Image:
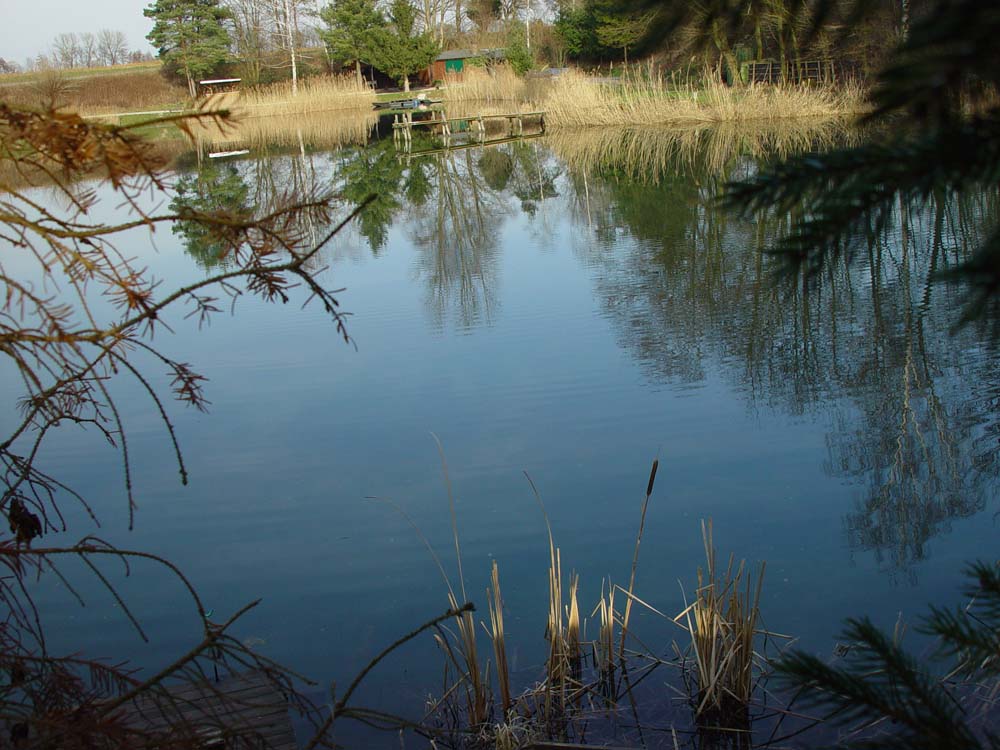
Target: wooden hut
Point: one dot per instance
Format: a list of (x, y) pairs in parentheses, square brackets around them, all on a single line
[(452, 63)]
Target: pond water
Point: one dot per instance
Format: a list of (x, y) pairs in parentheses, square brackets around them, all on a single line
[(570, 308)]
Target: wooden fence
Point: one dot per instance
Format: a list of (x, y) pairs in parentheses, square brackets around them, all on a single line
[(799, 71)]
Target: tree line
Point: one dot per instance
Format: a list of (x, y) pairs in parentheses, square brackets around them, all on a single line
[(270, 39), (87, 49)]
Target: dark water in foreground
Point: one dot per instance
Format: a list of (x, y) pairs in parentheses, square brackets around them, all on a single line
[(570, 307)]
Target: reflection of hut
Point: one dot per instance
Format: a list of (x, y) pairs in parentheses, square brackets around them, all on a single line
[(453, 62)]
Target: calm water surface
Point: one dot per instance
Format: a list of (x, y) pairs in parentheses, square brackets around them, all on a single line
[(571, 307)]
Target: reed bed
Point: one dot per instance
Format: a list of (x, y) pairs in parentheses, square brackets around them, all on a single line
[(498, 84), (576, 692), (723, 624), (317, 93), (575, 101)]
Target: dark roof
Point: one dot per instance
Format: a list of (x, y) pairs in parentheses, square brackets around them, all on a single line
[(456, 54), (465, 54)]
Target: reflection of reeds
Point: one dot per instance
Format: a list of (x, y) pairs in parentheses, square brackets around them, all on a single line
[(722, 622), (649, 154), (314, 129)]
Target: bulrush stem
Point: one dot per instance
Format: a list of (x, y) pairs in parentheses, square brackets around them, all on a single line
[(635, 558)]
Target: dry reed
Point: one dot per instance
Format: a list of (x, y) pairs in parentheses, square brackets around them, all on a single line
[(722, 622), (499, 84), (498, 639), (635, 557), (575, 100), (318, 93)]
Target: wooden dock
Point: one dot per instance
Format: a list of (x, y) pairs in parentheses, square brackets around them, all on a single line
[(512, 125), (237, 713)]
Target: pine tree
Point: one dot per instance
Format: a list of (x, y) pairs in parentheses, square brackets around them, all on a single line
[(400, 51), (350, 32), (880, 680), (190, 35)]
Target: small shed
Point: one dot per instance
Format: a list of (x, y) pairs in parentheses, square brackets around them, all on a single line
[(453, 62), (450, 62), (219, 85)]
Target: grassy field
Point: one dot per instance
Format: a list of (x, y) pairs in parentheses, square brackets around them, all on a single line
[(93, 91)]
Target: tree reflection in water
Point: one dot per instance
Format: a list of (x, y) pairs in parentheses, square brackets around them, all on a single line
[(869, 345), (918, 424), (455, 203)]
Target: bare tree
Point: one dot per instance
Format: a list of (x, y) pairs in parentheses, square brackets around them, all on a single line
[(112, 46), (66, 50), (285, 15), (250, 33), (88, 49)]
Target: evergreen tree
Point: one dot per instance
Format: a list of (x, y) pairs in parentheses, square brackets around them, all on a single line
[(880, 680), (577, 28), (400, 51), (351, 27), (190, 36), (941, 81)]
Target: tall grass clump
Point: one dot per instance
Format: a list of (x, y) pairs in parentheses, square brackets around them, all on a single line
[(578, 689), (492, 85), (314, 94), (722, 622), (498, 639), (577, 101)]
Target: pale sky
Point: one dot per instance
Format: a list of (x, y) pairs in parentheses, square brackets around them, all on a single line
[(27, 27)]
